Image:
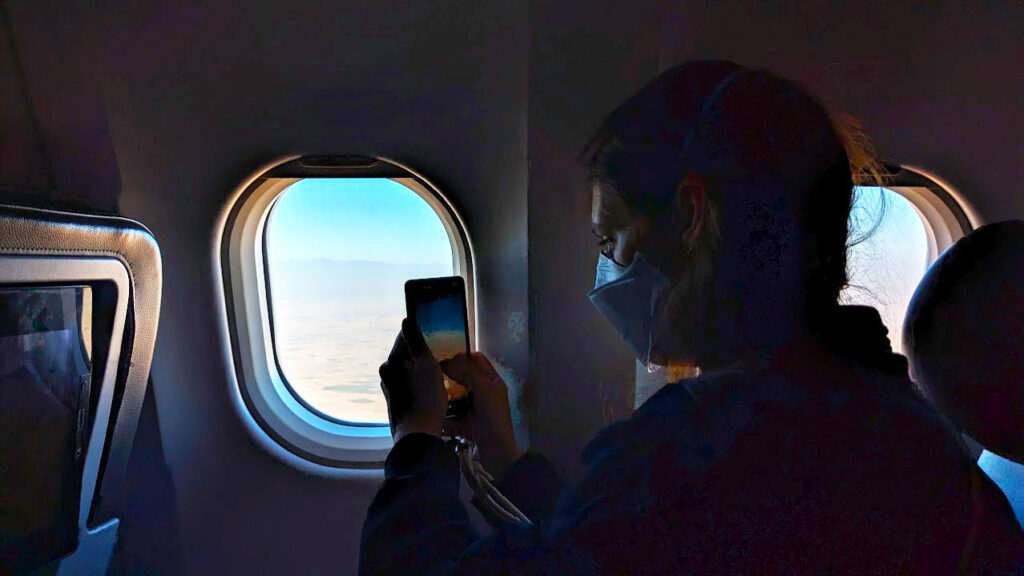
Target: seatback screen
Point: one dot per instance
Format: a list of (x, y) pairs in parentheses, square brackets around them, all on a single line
[(45, 380)]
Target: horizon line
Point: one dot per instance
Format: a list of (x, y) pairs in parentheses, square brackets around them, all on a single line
[(322, 259)]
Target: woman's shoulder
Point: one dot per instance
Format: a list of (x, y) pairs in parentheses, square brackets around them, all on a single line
[(709, 411), (680, 415), (719, 396), (718, 406)]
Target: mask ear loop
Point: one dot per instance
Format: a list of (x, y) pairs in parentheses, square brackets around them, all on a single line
[(650, 366), (655, 299)]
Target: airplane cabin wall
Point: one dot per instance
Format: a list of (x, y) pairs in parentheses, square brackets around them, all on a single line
[(937, 85), (22, 158), (163, 110), (55, 148)]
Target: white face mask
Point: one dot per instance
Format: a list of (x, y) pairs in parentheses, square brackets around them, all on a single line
[(629, 298)]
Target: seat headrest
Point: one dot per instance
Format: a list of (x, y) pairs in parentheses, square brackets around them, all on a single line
[(964, 333)]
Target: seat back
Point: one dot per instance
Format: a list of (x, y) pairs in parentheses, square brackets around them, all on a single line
[(964, 334), (85, 288)]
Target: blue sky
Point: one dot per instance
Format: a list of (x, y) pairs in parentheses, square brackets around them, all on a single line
[(900, 237), (898, 214), (373, 219), (886, 268)]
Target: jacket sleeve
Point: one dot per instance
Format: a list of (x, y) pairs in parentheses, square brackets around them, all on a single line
[(416, 523), (532, 484)]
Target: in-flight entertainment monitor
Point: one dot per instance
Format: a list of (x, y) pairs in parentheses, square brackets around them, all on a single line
[(45, 378), (54, 399)]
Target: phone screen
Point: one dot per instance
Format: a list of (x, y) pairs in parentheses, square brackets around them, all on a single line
[(438, 305)]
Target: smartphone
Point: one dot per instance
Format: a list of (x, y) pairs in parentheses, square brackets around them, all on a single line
[(438, 307)]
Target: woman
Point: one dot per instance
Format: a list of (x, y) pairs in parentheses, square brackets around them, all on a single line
[(721, 197)]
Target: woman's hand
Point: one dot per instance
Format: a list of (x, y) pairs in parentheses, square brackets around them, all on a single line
[(489, 420), (413, 385)]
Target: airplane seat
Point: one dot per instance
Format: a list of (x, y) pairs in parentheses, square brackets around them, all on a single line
[(79, 310), (964, 333)]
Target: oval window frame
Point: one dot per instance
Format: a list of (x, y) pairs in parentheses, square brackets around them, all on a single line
[(275, 415), (946, 214)]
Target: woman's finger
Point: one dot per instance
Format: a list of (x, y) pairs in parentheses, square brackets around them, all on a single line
[(399, 352), (414, 339), (460, 369)]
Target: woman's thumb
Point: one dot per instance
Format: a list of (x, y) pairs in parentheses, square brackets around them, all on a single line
[(459, 368)]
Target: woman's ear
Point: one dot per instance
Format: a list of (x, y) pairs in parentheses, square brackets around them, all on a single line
[(691, 203)]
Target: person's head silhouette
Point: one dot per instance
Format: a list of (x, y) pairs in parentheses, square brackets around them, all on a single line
[(722, 195)]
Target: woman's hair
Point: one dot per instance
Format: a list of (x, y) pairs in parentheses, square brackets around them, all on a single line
[(770, 154)]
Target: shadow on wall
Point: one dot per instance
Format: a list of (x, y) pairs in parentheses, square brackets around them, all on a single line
[(54, 152), (148, 539)]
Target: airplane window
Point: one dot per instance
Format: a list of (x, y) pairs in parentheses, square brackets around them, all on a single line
[(315, 252), (338, 252), (889, 256)]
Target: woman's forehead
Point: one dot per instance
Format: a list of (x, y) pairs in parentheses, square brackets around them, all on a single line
[(606, 209)]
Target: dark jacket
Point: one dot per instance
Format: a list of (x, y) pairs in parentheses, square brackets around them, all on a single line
[(812, 464)]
